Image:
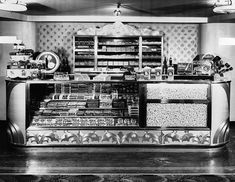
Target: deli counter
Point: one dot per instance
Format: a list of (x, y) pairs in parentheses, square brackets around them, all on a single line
[(118, 113)]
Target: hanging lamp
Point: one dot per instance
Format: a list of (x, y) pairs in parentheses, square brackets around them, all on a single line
[(117, 11)]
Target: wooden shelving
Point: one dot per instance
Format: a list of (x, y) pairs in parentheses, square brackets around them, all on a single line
[(94, 53)]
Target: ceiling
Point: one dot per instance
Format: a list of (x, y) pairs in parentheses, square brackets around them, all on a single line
[(166, 8), (181, 11)]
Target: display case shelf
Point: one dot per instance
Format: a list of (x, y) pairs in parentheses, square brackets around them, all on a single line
[(151, 43), (152, 57), (79, 116), (84, 51), (84, 127), (119, 45), (107, 108), (163, 101), (83, 58), (80, 50), (117, 52), (118, 58)]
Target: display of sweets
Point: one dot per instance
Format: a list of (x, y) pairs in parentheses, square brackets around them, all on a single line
[(106, 103), (87, 105), (93, 103), (83, 121)]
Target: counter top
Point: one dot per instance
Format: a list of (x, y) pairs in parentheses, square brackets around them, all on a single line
[(120, 81)]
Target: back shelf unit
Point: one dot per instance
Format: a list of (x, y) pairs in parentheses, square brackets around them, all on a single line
[(117, 52), (151, 48), (114, 52), (84, 52)]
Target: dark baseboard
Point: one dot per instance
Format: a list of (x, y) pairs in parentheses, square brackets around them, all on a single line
[(232, 123), (4, 141)]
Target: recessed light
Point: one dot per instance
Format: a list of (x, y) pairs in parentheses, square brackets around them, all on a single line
[(117, 11)]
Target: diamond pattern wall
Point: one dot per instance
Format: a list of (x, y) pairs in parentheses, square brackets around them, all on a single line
[(52, 36), (180, 40)]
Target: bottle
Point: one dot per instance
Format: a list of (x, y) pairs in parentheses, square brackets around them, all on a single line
[(67, 67), (158, 75), (170, 70), (164, 68), (153, 73)]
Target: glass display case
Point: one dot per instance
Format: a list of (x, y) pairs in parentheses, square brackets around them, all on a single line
[(154, 113), (70, 105)]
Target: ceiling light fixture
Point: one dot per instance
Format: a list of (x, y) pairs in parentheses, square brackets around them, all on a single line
[(12, 5), (229, 7), (117, 11)]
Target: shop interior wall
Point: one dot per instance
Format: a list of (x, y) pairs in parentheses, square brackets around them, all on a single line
[(180, 40), (25, 31), (211, 34)]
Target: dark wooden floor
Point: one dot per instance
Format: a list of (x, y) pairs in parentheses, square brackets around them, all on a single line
[(117, 160)]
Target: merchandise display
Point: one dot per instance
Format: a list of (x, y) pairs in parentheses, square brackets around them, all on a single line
[(177, 91), (121, 91), (97, 53), (176, 115), (92, 112), (177, 105), (185, 69), (93, 104), (22, 64), (209, 64), (84, 53), (152, 51), (118, 52)]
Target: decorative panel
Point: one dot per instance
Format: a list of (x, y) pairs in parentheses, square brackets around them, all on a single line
[(116, 137), (180, 40), (177, 91), (176, 115), (185, 137)]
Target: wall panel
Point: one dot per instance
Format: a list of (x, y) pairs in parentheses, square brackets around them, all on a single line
[(180, 40)]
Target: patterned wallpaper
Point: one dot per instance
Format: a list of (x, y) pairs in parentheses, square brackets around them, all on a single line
[(180, 40)]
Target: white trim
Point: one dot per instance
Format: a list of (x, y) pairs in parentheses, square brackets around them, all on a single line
[(134, 19), (226, 41), (9, 40), (13, 15), (119, 18)]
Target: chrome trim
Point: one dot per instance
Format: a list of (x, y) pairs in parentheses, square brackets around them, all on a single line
[(16, 134), (219, 136)]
